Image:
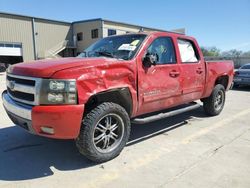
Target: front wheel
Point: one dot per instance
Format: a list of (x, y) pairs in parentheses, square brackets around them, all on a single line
[(214, 104), (104, 133)]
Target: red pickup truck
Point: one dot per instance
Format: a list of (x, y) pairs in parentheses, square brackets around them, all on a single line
[(92, 98)]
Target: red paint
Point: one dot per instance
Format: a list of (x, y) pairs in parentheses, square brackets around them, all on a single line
[(152, 89), (65, 120)]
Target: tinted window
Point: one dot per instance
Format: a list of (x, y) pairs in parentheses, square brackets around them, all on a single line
[(187, 51), (111, 32), (164, 49)]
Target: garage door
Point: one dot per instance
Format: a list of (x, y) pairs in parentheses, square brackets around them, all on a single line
[(10, 53), (10, 49)]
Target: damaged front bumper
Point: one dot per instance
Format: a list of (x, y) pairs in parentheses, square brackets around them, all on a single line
[(62, 121)]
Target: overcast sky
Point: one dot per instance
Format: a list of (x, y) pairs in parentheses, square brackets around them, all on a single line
[(221, 23)]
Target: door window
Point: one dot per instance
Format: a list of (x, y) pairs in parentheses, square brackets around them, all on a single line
[(164, 49), (187, 51)]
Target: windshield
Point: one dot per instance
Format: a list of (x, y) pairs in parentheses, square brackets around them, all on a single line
[(120, 47)]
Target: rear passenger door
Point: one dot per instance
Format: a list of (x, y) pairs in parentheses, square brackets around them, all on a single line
[(192, 70)]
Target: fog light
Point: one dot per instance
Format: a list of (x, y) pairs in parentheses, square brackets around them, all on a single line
[(48, 130)]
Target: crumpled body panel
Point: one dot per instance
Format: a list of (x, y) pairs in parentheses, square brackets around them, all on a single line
[(95, 79)]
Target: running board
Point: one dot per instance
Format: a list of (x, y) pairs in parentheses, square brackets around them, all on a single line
[(162, 115)]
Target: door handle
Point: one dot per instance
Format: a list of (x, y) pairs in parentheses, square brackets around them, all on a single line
[(199, 71), (174, 73)]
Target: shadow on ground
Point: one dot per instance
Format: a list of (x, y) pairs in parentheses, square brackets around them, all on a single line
[(241, 88), (24, 156)]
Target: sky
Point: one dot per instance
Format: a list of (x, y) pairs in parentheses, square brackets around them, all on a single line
[(224, 24)]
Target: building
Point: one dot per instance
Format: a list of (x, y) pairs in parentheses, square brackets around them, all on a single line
[(26, 38)]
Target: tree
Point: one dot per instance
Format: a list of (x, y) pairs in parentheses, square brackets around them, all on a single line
[(232, 53), (210, 51), (246, 54)]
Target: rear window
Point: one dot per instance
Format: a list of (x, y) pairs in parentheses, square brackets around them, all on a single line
[(187, 51)]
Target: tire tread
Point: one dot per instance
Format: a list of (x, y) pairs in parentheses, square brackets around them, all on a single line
[(83, 142), (208, 103)]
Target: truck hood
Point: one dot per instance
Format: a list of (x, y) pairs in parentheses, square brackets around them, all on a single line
[(46, 68)]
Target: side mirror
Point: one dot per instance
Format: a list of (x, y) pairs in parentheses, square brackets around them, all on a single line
[(149, 60)]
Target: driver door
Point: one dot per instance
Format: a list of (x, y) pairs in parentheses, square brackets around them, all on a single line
[(159, 85)]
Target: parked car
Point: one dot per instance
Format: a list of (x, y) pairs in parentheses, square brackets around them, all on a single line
[(242, 76), (94, 97)]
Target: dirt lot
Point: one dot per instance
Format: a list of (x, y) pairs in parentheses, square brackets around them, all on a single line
[(188, 150)]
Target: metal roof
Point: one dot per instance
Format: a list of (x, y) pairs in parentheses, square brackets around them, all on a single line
[(116, 22), (88, 20), (31, 17)]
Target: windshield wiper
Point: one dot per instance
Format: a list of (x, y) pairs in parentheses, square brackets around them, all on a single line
[(104, 53)]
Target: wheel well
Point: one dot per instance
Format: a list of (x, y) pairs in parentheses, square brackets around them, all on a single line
[(121, 96), (223, 80)]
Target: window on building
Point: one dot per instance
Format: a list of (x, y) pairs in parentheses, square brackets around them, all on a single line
[(111, 32), (9, 45), (187, 51), (79, 36), (94, 33), (17, 45), (164, 48)]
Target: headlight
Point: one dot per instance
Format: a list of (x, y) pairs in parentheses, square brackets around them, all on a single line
[(56, 85), (55, 98), (58, 92)]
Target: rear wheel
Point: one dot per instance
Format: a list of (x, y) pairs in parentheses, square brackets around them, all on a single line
[(104, 133), (214, 104)]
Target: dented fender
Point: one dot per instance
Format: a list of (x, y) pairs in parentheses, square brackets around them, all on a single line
[(97, 79)]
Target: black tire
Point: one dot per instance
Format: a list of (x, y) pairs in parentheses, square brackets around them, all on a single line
[(87, 143), (213, 105)]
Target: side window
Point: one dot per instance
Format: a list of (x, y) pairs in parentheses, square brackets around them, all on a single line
[(111, 32), (187, 51), (79, 36), (94, 33), (164, 49)]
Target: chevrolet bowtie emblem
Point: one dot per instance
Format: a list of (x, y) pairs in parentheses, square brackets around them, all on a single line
[(12, 85)]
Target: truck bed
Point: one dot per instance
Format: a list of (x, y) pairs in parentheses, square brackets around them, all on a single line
[(215, 69)]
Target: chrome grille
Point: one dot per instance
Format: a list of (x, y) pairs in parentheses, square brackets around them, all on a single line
[(23, 89)]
